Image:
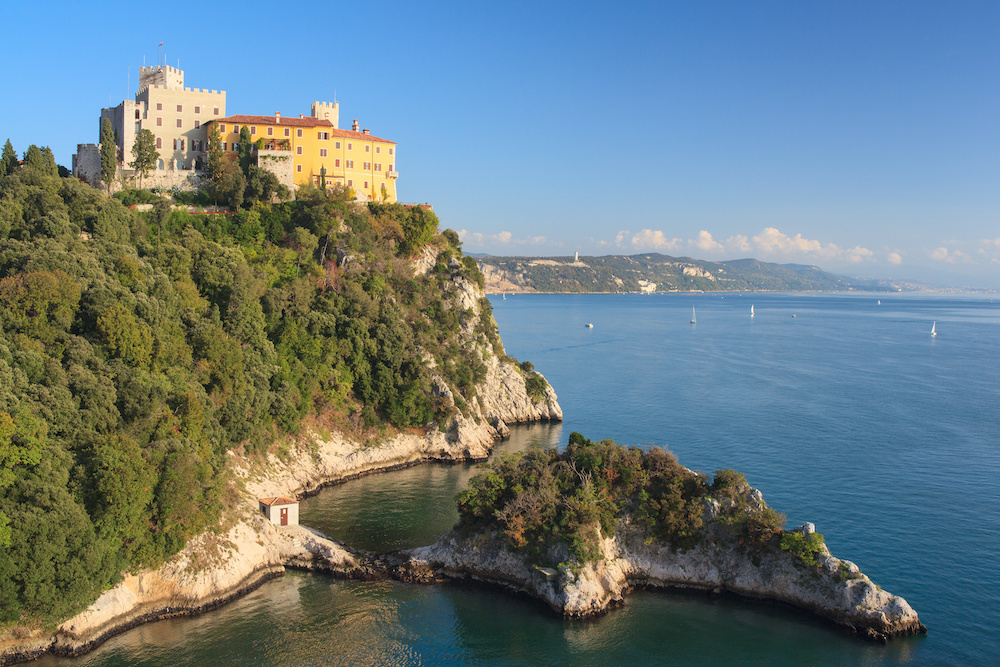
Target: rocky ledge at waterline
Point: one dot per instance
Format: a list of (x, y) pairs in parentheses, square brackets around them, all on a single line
[(834, 589), (579, 528)]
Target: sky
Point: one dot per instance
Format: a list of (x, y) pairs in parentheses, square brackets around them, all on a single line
[(862, 137)]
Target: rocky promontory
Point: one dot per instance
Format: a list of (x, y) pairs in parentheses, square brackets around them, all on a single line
[(833, 589), (578, 529)]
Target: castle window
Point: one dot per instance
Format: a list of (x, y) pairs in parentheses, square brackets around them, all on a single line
[(368, 165), (197, 124), (378, 167), (366, 185), (322, 152), (159, 142), (175, 144), (159, 122), (298, 168), (182, 144), (223, 145), (286, 132), (180, 123), (350, 182), (368, 149), (298, 132), (298, 150), (236, 129), (159, 106), (270, 131), (390, 151), (137, 114), (222, 127), (236, 146), (350, 146), (378, 149), (336, 144), (197, 109), (159, 164), (215, 111), (350, 164), (390, 167), (253, 129), (336, 163), (180, 108)]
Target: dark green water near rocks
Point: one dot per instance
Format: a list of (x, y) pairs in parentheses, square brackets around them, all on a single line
[(849, 415)]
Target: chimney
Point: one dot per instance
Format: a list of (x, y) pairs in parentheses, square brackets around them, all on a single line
[(366, 131), (355, 126), (302, 115), (277, 116)]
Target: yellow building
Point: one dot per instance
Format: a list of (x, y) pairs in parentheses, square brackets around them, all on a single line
[(354, 158)]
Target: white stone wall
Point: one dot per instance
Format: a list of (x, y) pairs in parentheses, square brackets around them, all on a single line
[(87, 163), (279, 163)]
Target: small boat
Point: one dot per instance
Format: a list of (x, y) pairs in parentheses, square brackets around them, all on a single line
[(751, 310), (934, 329), (589, 325), (694, 320), (880, 302), (794, 315)]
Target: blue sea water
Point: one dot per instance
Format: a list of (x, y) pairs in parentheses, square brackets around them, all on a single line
[(849, 415)]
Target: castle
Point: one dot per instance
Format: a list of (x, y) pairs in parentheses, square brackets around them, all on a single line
[(303, 150)]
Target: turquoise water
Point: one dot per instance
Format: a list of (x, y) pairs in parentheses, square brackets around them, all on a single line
[(849, 415)]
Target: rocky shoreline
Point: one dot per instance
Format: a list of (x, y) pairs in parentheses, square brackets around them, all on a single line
[(833, 589)]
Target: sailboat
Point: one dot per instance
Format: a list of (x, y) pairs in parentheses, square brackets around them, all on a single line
[(934, 329), (751, 310), (694, 320)]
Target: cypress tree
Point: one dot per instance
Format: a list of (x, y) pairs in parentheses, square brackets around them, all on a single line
[(8, 161), (109, 154)]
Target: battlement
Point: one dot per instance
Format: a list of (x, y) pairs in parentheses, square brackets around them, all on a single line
[(326, 111), (161, 75)]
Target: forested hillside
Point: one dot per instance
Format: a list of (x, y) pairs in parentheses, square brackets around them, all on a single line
[(661, 273), (136, 349)]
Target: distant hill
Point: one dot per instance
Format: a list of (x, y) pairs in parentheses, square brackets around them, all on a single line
[(661, 273)]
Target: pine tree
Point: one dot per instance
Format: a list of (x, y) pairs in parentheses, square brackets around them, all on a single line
[(109, 154), (144, 154)]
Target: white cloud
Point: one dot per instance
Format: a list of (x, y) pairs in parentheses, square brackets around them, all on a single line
[(478, 239), (648, 238), (858, 254), (894, 258), (941, 254), (620, 238), (707, 243), (739, 243)]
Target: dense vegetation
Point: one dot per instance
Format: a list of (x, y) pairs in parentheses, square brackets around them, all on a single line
[(619, 273), (554, 506), (136, 350)]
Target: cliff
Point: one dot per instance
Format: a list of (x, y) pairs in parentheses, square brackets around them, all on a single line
[(833, 589)]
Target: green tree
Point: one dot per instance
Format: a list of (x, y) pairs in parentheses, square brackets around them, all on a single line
[(109, 154), (246, 150), (144, 154), (216, 161), (34, 159), (8, 161), (126, 337)]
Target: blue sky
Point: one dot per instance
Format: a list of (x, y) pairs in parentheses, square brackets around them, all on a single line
[(863, 137)]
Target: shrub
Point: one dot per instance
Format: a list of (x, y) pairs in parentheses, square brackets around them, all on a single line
[(803, 547)]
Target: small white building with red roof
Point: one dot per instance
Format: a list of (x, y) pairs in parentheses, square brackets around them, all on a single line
[(280, 510)]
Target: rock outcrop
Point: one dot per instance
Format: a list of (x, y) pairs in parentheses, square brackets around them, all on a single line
[(833, 589)]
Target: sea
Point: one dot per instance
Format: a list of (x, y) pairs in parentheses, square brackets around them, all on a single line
[(842, 409)]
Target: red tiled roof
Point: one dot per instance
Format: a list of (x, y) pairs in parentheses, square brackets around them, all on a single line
[(292, 121), (308, 121), (279, 500)]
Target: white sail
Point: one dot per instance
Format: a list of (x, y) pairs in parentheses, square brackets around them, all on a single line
[(694, 320), (751, 310), (934, 329)]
